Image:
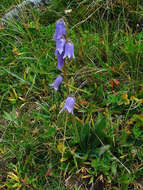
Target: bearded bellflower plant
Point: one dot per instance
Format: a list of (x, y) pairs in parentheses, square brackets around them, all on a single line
[(64, 49)]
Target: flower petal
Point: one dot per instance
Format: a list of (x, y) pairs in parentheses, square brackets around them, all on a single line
[(69, 104), (57, 82), (60, 61), (60, 29), (60, 44), (69, 50)]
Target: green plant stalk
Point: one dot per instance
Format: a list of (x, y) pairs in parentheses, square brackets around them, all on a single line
[(75, 127), (66, 77), (65, 126)]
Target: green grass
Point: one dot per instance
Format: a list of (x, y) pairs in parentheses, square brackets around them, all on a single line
[(102, 143)]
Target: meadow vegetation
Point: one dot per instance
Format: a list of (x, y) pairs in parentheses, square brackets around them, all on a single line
[(100, 146)]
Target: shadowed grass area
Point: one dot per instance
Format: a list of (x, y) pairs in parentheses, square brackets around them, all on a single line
[(100, 146)]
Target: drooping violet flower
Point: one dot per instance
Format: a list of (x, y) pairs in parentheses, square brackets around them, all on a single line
[(57, 82), (60, 29), (60, 44), (69, 104), (60, 61), (56, 53), (69, 50)]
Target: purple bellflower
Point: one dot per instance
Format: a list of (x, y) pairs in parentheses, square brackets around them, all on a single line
[(69, 50), (60, 61), (69, 104), (57, 82), (60, 44), (60, 29)]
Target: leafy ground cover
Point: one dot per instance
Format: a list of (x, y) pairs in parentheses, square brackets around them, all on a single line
[(101, 145)]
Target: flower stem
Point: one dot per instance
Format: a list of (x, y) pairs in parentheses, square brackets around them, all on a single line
[(75, 127), (66, 77)]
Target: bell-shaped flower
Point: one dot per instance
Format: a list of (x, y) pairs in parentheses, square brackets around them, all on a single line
[(60, 61), (57, 82), (60, 44), (60, 29), (69, 50), (69, 104)]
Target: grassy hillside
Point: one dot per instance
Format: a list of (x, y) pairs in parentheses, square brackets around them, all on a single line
[(100, 146)]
